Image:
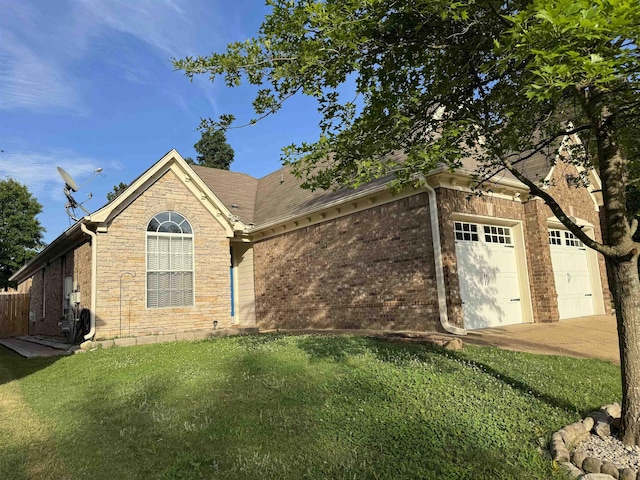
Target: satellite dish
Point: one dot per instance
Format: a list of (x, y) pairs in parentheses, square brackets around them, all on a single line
[(73, 207), (69, 182)]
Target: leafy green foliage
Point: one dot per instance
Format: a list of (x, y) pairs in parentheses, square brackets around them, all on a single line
[(439, 81), (22, 233), (499, 71), (213, 150), (291, 407), (493, 82), (117, 190)]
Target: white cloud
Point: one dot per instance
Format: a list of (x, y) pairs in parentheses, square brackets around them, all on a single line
[(31, 82), (42, 48), (161, 24), (38, 170)]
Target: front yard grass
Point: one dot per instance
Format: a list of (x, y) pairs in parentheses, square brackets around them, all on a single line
[(291, 407)]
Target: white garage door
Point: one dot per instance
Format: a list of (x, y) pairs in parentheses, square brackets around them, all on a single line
[(571, 272), (488, 275)]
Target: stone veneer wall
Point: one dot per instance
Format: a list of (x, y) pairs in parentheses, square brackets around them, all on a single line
[(372, 269), (123, 249)]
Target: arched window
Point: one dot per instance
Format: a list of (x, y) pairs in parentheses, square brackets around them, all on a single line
[(169, 261)]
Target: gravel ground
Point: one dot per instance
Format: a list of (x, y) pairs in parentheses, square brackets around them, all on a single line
[(611, 449)]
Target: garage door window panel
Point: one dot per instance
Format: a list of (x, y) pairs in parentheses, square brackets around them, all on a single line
[(466, 231), (494, 234)]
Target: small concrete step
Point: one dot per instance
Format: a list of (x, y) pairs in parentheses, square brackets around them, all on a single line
[(30, 349), (48, 342)]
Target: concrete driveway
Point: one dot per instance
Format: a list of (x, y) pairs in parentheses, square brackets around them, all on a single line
[(584, 337)]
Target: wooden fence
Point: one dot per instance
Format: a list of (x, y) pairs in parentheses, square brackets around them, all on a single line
[(14, 315)]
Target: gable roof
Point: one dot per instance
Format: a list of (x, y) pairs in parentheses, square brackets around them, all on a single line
[(280, 196), (236, 190), (171, 161), (273, 198)]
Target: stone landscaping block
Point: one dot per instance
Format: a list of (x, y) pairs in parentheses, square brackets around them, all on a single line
[(627, 474), (454, 345), (578, 427), (573, 471), (578, 458), (125, 342), (167, 337), (104, 344), (600, 416), (188, 336), (610, 469), (573, 433), (561, 455), (602, 429), (147, 340), (614, 410), (591, 465), (588, 423), (199, 335)]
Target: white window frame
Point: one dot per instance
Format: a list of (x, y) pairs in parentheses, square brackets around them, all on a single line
[(159, 235)]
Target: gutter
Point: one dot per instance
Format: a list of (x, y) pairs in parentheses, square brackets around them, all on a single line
[(94, 277), (437, 255)]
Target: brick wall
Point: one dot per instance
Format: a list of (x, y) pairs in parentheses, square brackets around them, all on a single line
[(123, 249), (47, 287), (544, 297), (371, 269)]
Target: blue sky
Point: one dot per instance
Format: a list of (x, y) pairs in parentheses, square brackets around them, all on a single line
[(89, 83)]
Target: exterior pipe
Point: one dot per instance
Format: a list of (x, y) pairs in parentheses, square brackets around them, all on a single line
[(437, 254), (94, 276)]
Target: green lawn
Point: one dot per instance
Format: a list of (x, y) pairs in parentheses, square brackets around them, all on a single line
[(291, 407)]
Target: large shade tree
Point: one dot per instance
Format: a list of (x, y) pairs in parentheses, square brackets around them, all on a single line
[(441, 80), (212, 149), (21, 234)]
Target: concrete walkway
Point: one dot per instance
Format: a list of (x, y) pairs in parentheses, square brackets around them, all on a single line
[(585, 337), (34, 347)]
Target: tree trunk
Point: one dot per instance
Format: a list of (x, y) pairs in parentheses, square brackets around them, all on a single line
[(622, 267), (626, 296)]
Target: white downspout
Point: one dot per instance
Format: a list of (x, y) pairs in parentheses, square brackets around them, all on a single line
[(94, 285), (437, 254)]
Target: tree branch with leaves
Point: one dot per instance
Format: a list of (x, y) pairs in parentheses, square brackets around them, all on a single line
[(509, 77)]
